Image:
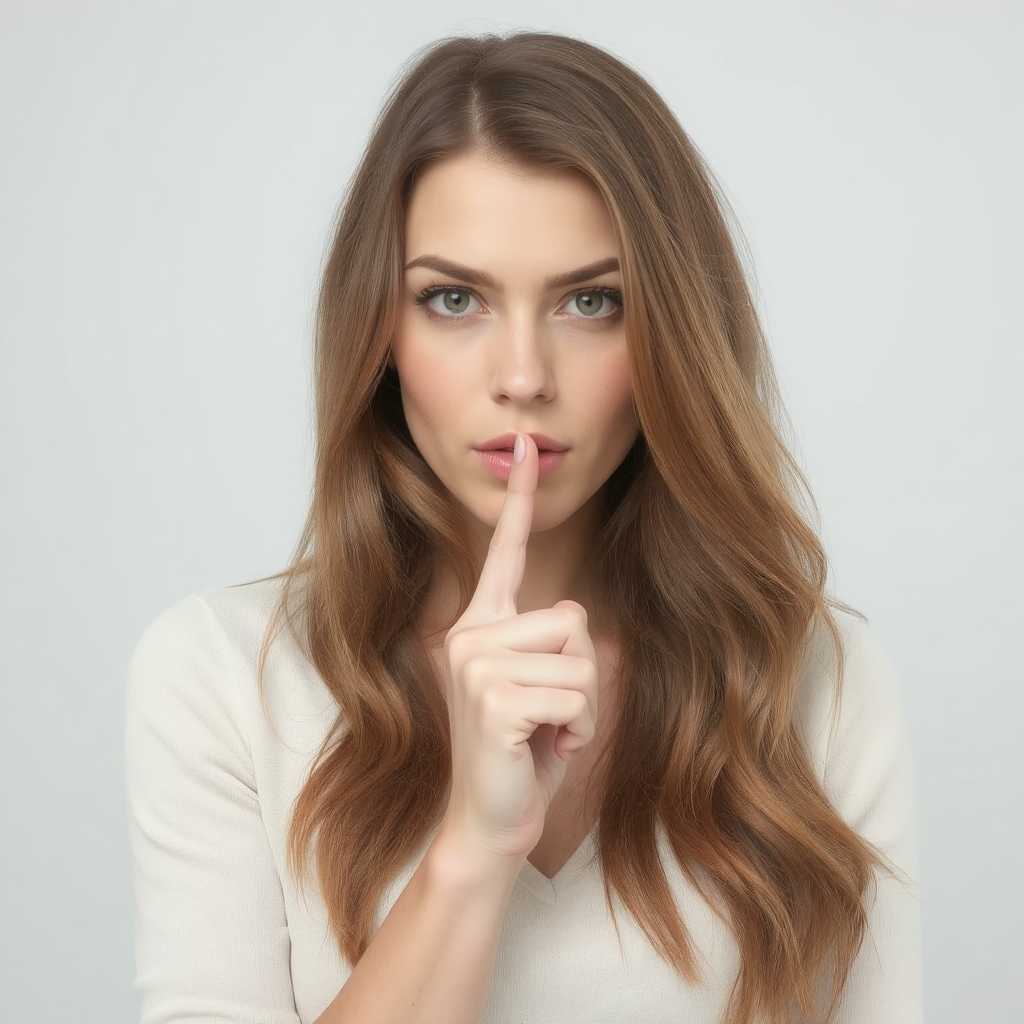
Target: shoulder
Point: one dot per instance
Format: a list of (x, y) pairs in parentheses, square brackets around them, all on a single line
[(850, 712), (231, 620), (194, 668), (209, 795), (195, 677), (846, 688)]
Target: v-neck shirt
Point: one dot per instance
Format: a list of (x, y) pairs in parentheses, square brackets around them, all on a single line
[(223, 933)]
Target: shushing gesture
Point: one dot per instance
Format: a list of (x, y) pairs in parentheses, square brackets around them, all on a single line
[(522, 690)]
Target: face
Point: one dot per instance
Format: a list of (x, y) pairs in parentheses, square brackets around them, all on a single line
[(512, 321)]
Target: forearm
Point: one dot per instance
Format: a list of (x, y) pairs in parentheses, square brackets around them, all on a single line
[(522, 700), (432, 958)]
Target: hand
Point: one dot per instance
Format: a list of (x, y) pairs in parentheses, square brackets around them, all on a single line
[(522, 692)]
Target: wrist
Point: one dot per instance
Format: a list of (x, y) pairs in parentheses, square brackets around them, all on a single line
[(458, 864)]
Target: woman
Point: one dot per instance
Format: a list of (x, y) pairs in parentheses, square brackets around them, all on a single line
[(550, 720)]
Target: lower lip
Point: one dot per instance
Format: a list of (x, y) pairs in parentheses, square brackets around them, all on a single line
[(500, 462)]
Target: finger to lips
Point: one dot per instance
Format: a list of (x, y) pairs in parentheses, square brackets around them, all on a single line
[(502, 572)]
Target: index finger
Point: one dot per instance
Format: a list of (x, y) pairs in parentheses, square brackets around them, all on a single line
[(502, 572)]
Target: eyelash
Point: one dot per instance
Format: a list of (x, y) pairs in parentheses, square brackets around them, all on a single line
[(423, 297)]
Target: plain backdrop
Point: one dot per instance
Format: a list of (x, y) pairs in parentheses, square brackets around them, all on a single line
[(168, 174)]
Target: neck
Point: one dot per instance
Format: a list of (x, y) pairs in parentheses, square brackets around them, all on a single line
[(559, 566)]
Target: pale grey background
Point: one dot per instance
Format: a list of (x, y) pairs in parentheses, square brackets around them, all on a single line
[(167, 175)]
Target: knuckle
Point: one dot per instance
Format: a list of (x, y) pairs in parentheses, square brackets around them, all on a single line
[(581, 673), (575, 614), (588, 673), (491, 708), (477, 672), (582, 716), (458, 644)]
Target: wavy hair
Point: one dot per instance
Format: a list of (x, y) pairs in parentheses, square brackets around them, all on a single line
[(714, 576)]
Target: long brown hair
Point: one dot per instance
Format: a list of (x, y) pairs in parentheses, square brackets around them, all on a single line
[(714, 577)]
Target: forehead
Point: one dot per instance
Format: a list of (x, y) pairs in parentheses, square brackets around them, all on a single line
[(485, 212)]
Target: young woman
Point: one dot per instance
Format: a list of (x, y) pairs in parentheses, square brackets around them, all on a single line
[(551, 719)]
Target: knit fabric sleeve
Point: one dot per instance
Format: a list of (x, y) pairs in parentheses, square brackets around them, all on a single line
[(212, 944), (859, 740)]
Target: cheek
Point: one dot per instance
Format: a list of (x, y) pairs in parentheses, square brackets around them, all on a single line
[(434, 388), (621, 426), (619, 392), (612, 392)]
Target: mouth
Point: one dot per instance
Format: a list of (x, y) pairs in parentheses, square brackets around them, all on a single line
[(506, 442), (496, 455)]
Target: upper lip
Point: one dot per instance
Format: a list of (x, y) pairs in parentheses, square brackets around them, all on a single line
[(507, 441)]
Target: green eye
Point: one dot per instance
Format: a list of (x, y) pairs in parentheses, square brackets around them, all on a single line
[(456, 302), (449, 304), (590, 303)]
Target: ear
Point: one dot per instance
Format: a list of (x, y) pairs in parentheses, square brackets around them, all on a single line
[(392, 365)]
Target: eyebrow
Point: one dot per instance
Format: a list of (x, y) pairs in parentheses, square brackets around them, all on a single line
[(484, 280)]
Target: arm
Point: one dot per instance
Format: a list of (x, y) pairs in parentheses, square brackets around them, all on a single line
[(521, 702), (433, 956), (211, 931), (863, 751), (211, 934)]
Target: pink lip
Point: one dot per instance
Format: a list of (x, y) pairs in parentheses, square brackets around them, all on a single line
[(496, 454), (506, 441), (499, 461)]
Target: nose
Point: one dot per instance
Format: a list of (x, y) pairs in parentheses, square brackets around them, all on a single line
[(522, 367)]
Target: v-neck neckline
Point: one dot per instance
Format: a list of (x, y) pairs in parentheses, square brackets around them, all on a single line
[(547, 889)]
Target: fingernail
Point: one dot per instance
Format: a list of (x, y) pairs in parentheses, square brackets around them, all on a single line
[(519, 451)]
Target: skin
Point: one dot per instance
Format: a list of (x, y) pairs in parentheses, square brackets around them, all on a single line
[(522, 672), (522, 357)]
